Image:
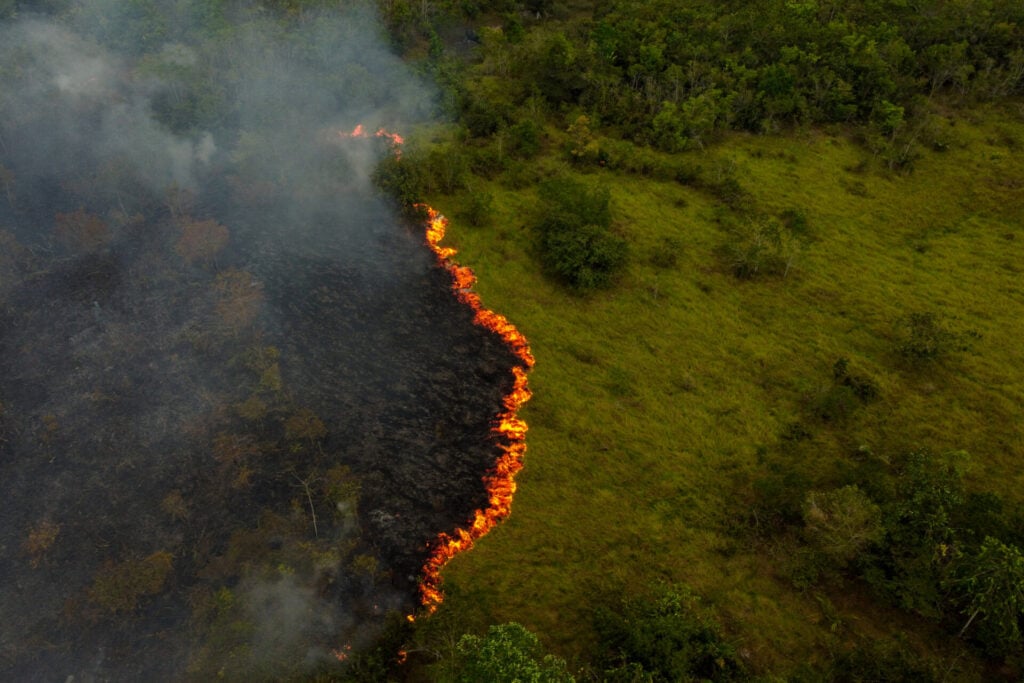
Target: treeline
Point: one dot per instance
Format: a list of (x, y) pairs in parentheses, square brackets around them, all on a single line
[(671, 74)]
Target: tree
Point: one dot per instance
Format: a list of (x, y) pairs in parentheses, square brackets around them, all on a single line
[(7, 180), (992, 583), (305, 425), (525, 139), (13, 262), (119, 586), (405, 179), (582, 146), (556, 69), (508, 654), (41, 537)]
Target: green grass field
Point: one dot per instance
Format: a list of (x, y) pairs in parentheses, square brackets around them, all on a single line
[(657, 400)]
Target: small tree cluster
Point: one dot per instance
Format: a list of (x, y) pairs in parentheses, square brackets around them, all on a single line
[(914, 533)]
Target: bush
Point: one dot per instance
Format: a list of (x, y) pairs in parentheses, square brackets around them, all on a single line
[(841, 523), (524, 139), (479, 207), (728, 190), (925, 337), (574, 235), (666, 254), (761, 247), (508, 654), (446, 169), (404, 179), (487, 161), (664, 638), (482, 116), (119, 586), (585, 257), (846, 394)]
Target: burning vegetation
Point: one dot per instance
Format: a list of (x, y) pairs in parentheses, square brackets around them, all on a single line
[(239, 403), (508, 426)]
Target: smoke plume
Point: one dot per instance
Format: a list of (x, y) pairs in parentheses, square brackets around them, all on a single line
[(237, 399)]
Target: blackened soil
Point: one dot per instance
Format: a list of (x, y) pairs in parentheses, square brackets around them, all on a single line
[(291, 422)]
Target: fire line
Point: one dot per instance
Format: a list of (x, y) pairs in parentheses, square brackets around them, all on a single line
[(500, 481), (508, 426)]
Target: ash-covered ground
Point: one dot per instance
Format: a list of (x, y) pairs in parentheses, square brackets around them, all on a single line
[(237, 396)]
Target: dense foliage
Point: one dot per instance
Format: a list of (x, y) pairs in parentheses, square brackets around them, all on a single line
[(508, 653), (665, 638), (574, 234), (674, 74)]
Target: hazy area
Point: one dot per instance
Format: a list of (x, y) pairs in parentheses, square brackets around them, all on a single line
[(237, 399)]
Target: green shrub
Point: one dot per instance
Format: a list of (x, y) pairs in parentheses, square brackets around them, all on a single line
[(727, 190), (585, 257), (404, 179), (508, 653), (574, 236), (666, 254), (665, 638), (925, 337), (479, 207), (482, 116), (846, 394), (761, 247), (525, 139), (487, 161)]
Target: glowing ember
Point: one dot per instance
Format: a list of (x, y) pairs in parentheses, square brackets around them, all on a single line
[(501, 480)]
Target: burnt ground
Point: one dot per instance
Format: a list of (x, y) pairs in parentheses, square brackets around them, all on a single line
[(230, 464)]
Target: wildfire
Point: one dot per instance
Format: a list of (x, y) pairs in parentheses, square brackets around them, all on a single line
[(360, 132), (500, 481)]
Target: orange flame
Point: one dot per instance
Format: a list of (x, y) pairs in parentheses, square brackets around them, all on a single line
[(360, 132), (500, 481)]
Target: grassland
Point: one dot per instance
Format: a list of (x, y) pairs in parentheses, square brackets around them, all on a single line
[(657, 401)]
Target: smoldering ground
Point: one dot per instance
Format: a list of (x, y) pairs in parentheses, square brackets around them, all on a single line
[(237, 399)]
